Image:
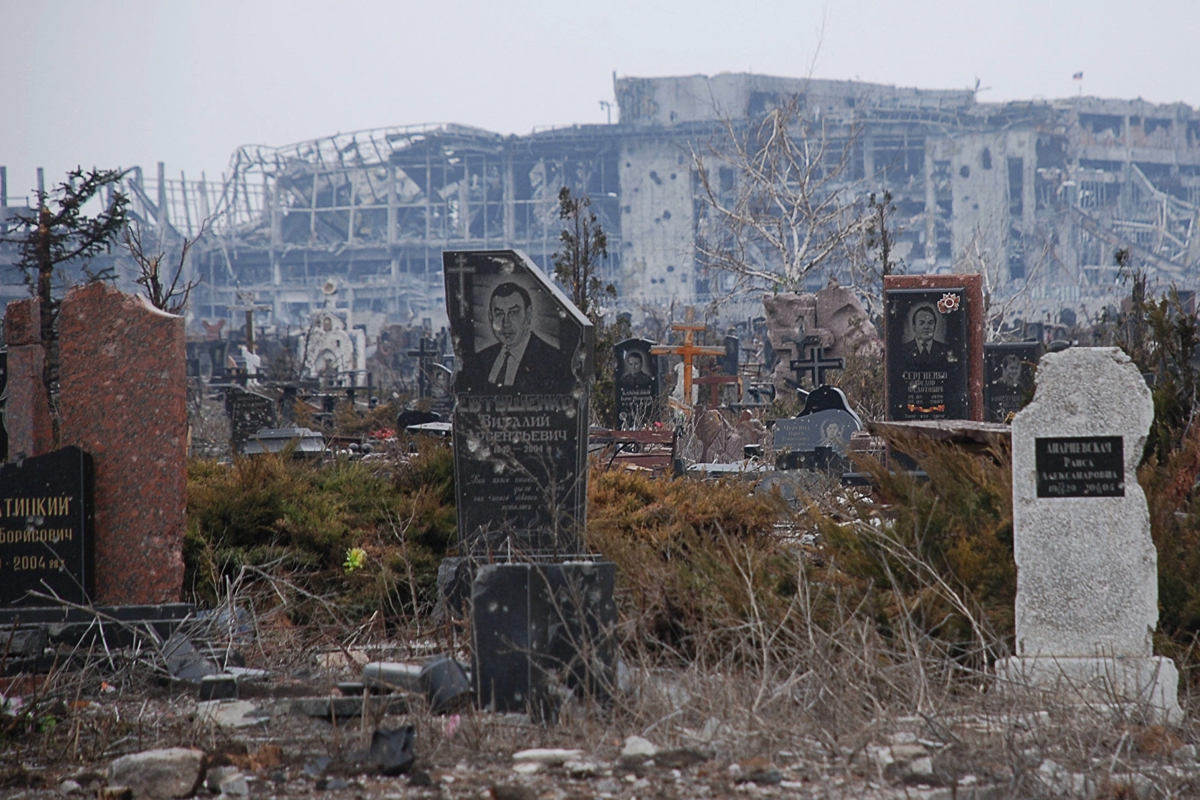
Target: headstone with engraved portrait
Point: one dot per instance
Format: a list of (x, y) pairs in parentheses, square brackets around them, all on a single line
[(927, 353), (521, 406), (820, 435), (636, 385), (1008, 377)]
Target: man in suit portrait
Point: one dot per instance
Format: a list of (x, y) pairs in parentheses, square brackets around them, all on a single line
[(521, 362), (924, 350)]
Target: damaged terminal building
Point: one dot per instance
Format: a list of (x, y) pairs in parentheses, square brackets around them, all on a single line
[(1036, 194)]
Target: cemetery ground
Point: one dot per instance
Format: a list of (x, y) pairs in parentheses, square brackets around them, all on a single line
[(839, 646)]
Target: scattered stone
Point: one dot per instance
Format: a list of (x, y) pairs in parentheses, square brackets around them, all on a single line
[(344, 707), (908, 752), (317, 766), (227, 781), (528, 767), (582, 769), (184, 661), (638, 748), (394, 751), (70, 787), (903, 737), (549, 757), (445, 684), (218, 687), (392, 675), (159, 774), (232, 713), (760, 777), (512, 791), (680, 758)]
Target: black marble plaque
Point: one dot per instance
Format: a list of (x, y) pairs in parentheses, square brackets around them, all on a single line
[(927, 353), (1080, 466), (636, 385), (1007, 378), (46, 541), (521, 406), (536, 627), (248, 414)]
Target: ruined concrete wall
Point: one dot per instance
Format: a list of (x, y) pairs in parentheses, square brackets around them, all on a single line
[(657, 225)]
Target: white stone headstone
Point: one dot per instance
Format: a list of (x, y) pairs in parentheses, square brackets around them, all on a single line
[(1087, 578)]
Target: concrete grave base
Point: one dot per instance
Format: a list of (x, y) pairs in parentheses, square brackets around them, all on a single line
[(1152, 680)]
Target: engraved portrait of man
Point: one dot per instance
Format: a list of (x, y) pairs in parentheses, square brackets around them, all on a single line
[(925, 348), (521, 361)]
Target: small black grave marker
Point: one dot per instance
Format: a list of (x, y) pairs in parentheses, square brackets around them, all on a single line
[(636, 386), (1007, 377), (46, 541)]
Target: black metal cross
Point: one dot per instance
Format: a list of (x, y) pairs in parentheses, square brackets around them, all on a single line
[(461, 269), (424, 357), (816, 363)]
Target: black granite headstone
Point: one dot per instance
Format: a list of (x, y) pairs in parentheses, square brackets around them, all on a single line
[(1007, 377), (248, 414), (521, 410), (538, 626), (819, 436), (728, 363), (636, 385), (46, 538), (927, 354)]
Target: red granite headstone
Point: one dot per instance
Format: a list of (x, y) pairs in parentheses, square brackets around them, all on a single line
[(28, 411), (929, 383), (123, 398)]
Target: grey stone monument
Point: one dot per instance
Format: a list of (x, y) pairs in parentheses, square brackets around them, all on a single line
[(1087, 578)]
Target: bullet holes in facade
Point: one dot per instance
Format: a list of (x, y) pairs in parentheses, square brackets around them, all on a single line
[(965, 171)]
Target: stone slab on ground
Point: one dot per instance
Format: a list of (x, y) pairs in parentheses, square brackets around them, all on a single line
[(159, 774)]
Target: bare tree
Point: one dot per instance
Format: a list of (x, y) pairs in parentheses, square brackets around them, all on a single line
[(171, 296), (780, 197)]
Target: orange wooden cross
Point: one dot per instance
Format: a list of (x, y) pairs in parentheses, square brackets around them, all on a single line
[(687, 351)]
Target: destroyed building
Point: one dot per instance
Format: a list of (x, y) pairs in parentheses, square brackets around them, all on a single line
[(1036, 194)]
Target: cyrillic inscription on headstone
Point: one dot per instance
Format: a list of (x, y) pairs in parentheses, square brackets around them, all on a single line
[(46, 542), (1080, 466)]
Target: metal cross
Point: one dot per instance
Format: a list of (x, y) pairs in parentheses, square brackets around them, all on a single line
[(424, 356), (816, 363), (462, 271)]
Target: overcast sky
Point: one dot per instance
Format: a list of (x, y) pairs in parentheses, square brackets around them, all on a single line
[(139, 81)]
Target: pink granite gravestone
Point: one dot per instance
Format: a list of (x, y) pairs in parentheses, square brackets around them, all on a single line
[(123, 398), (29, 428)]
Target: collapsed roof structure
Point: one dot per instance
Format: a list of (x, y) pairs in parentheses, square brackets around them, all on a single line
[(1035, 194)]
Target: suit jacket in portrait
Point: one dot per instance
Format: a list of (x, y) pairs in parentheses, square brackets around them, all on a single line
[(544, 369), (936, 358)]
